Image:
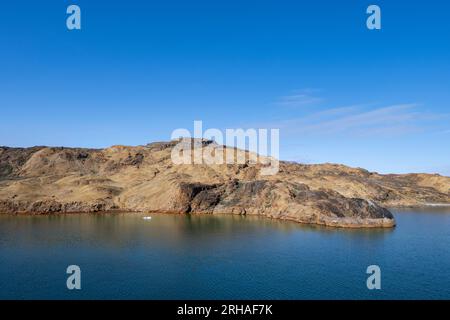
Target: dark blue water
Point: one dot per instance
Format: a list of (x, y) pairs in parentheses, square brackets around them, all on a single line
[(221, 257)]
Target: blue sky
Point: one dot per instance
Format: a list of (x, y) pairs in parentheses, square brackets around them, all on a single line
[(140, 69)]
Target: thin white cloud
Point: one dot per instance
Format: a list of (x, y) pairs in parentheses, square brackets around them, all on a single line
[(377, 119), (359, 121), (300, 98)]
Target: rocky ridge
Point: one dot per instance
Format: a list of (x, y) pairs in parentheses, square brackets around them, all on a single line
[(52, 180)]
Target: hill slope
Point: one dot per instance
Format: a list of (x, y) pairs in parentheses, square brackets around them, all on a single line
[(43, 180)]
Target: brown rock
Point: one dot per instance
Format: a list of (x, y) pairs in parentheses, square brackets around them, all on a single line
[(44, 180)]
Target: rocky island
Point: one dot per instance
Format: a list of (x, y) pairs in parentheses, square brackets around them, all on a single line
[(52, 180)]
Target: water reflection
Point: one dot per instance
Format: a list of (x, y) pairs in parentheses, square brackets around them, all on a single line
[(122, 229), (221, 257)]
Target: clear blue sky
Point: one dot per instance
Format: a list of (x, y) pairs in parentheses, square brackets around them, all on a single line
[(140, 69)]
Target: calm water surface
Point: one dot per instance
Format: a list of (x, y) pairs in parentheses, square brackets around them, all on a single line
[(221, 257)]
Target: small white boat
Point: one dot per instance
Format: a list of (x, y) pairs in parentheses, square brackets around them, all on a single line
[(147, 218)]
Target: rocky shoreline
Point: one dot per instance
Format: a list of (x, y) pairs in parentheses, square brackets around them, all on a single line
[(39, 208), (46, 180)]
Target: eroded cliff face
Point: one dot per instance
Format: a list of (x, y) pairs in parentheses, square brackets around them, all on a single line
[(43, 180)]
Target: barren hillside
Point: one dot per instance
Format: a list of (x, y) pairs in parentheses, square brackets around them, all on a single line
[(42, 180)]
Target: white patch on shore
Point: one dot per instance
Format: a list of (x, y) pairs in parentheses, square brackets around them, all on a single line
[(437, 204), (147, 218)]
